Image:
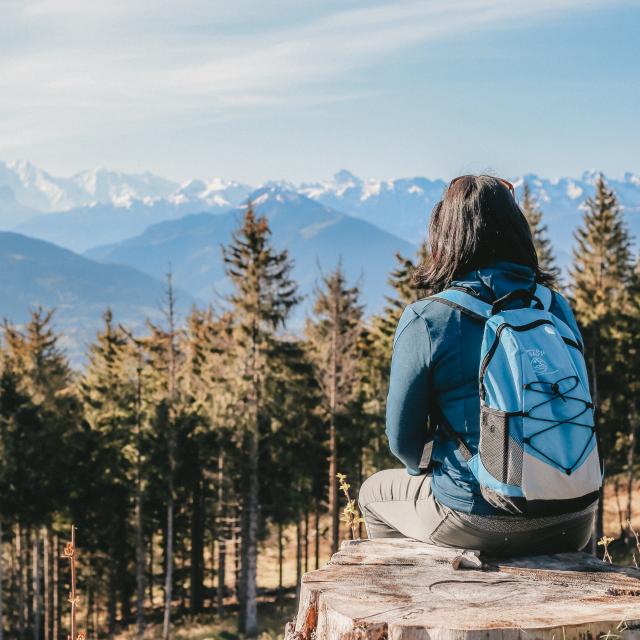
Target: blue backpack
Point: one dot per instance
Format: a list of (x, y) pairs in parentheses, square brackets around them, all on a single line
[(538, 452)]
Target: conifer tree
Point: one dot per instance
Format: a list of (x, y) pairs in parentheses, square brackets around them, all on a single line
[(108, 394), (376, 354), (625, 404), (165, 362), (263, 296), (539, 231), (333, 335), (293, 453), (601, 275), (210, 383)]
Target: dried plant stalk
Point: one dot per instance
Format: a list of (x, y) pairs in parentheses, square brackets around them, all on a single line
[(70, 553), (350, 514)]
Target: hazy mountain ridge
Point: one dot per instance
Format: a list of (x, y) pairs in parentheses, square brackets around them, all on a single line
[(316, 236), (37, 273)]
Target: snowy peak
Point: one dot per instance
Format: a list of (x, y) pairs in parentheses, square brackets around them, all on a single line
[(212, 193), (103, 185)]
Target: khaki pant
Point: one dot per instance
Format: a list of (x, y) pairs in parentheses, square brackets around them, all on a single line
[(397, 505)]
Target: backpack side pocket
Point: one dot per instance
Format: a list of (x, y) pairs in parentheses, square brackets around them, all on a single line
[(494, 442)]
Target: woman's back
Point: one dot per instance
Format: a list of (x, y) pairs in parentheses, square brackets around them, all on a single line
[(437, 351), (479, 241)]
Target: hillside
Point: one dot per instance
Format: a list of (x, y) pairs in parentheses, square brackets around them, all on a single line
[(316, 236), (37, 273)]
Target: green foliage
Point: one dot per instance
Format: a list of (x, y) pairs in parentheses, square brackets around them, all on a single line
[(539, 231)]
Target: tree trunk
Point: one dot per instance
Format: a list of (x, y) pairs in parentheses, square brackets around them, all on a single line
[(248, 620), (280, 560), (630, 477), (90, 605), (404, 589), (298, 556), (112, 600), (151, 603), (222, 561), (317, 540), (598, 524), (35, 576), (140, 562), (55, 632), (46, 570), (20, 581), (333, 488), (168, 582), (237, 579), (28, 577), (616, 493), (125, 584), (222, 534), (197, 548), (306, 539), (212, 567)]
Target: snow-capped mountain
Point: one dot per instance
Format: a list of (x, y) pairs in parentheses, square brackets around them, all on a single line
[(102, 206), (403, 206), (38, 191), (212, 194)]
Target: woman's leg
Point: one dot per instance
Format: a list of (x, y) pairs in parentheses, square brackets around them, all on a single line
[(397, 505)]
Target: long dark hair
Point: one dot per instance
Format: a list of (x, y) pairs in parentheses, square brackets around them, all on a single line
[(477, 223)]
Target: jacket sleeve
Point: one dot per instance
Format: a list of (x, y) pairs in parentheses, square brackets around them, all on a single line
[(408, 399)]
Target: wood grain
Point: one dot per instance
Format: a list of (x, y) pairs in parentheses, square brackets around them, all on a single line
[(405, 590)]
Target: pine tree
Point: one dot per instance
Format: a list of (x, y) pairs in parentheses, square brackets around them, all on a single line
[(263, 296), (165, 362), (108, 393), (333, 335), (375, 354), (625, 403), (539, 231), (601, 275)]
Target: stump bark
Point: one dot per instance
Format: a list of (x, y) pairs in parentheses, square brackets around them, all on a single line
[(400, 589)]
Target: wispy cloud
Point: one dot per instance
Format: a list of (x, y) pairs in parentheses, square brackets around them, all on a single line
[(69, 65)]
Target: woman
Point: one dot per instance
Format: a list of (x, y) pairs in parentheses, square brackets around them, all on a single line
[(479, 240)]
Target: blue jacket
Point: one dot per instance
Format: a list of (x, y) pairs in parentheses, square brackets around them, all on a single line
[(436, 357)]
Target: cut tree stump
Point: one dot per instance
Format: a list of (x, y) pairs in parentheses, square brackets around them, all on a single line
[(400, 589)]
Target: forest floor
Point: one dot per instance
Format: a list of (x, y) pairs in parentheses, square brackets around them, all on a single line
[(274, 615)]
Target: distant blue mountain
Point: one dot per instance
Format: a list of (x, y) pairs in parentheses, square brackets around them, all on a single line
[(317, 238), (37, 273), (104, 207)]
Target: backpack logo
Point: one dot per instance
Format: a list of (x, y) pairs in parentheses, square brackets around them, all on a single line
[(537, 360)]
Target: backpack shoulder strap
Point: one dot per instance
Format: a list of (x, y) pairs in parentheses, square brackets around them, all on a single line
[(460, 298), (544, 295)]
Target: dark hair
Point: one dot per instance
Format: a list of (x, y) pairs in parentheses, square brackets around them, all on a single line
[(477, 223)]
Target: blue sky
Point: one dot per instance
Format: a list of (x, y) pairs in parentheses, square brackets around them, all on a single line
[(259, 89)]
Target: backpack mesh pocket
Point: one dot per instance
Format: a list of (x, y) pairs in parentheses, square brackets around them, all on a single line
[(494, 442), (515, 455)]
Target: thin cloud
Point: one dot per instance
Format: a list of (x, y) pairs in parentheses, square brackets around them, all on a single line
[(80, 64)]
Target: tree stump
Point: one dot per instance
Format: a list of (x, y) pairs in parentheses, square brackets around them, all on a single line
[(399, 589)]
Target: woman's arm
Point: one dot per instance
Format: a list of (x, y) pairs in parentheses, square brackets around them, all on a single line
[(408, 399)]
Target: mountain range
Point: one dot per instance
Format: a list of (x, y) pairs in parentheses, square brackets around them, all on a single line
[(133, 228), (101, 206), (316, 237)]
